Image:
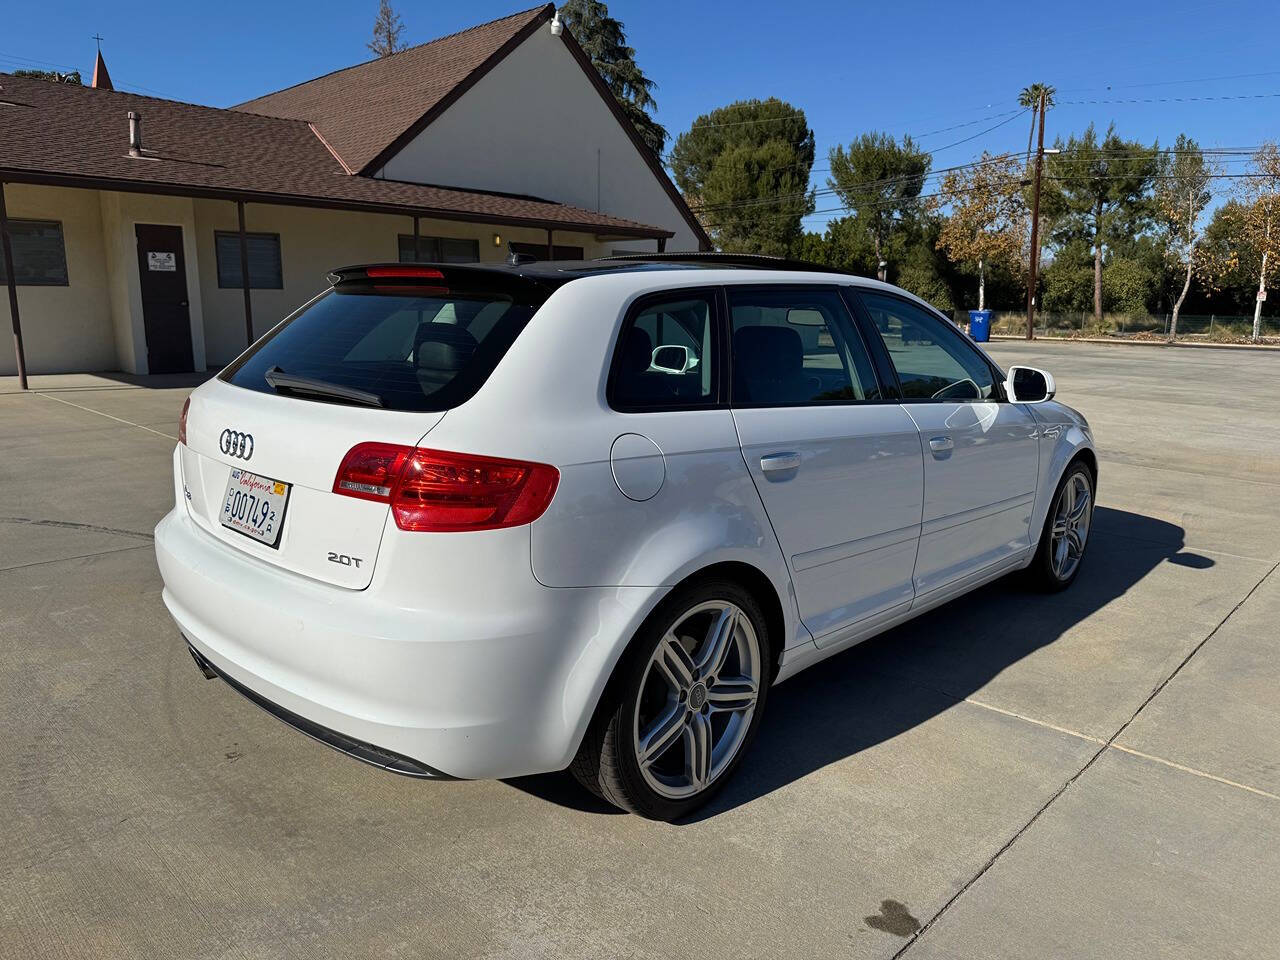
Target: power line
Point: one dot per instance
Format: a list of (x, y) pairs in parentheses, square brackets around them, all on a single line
[(1225, 96)]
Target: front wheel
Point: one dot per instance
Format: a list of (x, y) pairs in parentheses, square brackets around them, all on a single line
[(683, 705), (1066, 531)]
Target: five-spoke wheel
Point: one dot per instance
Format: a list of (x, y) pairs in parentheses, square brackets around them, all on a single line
[(1066, 529), (697, 698), (684, 703)]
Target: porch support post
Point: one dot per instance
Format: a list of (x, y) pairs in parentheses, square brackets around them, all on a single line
[(7, 242), (662, 244), (244, 275), (551, 248), (417, 241)]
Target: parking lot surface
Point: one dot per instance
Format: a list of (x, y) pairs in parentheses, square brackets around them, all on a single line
[(1092, 774)]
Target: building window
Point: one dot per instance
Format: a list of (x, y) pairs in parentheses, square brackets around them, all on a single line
[(39, 255), (439, 249), (265, 271), (539, 251)]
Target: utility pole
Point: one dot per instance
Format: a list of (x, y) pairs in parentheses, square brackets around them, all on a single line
[(1035, 229)]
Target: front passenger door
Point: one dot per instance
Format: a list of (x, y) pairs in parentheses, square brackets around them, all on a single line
[(981, 455), (836, 462)]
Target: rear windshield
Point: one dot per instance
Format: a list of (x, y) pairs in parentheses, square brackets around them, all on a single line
[(411, 348)]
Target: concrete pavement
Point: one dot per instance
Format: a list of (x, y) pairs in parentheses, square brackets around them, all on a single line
[(1093, 774)]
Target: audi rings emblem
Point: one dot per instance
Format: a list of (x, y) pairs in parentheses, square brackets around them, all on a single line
[(236, 444)]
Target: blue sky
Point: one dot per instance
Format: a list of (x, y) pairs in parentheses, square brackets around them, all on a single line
[(902, 67)]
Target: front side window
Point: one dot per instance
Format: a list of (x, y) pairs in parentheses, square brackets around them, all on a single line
[(39, 256), (666, 356), (794, 345), (931, 357), (265, 269)]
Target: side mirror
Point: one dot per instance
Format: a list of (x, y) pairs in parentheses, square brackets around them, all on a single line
[(1029, 385), (671, 358)]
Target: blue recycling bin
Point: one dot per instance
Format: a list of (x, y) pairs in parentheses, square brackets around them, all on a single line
[(980, 325)]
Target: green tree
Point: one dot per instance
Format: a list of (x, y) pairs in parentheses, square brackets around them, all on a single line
[(1181, 196), (387, 28), (604, 40), (1104, 187), (744, 169), (880, 181), (53, 75)]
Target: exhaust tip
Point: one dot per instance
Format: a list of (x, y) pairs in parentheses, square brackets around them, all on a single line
[(201, 662)]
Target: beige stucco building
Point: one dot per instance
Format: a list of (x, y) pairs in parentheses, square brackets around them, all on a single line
[(124, 212)]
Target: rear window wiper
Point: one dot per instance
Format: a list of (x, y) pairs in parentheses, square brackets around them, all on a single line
[(280, 380)]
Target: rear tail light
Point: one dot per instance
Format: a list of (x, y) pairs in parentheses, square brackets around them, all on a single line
[(182, 422), (447, 492)]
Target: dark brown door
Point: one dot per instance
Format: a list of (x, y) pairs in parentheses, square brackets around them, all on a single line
[(165, 314)]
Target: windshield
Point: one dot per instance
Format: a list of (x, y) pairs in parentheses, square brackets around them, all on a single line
[(412, 348)]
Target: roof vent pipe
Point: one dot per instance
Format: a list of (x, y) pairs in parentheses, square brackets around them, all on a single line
[(135, 134)]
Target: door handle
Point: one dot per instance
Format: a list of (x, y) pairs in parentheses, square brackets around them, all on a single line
[(779, 461), (941, 444)]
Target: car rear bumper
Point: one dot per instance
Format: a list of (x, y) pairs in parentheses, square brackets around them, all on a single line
[(450, 686)]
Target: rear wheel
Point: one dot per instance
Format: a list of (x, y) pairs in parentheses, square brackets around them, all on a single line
[(683, 705), (1066, 530)]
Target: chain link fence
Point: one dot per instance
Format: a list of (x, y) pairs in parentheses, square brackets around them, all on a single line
[(1213, 328)]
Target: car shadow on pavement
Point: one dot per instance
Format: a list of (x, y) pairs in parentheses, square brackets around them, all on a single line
[(891, 683)]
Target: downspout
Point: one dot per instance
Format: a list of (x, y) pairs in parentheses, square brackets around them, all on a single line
[(7, 242), (244, 276)]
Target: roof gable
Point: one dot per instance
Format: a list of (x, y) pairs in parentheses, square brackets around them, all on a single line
[(70, 135), (365, 112)]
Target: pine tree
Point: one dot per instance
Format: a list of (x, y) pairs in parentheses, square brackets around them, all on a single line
[(604, 40), (386, 31)]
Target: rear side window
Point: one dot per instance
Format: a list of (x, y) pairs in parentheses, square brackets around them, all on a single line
[(795, 345), (413, 348), (666, 355), (931, 357)]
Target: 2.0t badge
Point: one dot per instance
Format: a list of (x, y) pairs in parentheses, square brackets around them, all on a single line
[(236, 444)]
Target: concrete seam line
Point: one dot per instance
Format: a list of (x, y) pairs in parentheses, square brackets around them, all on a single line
[(82, 556), (1195, 771), (1107, 458), (130, 423), (71, 525), (1079, 773), (1039, 723)]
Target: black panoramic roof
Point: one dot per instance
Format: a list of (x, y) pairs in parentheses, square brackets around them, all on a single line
[(559, 272)]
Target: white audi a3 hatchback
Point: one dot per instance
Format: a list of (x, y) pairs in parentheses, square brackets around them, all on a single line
[(485, 521)]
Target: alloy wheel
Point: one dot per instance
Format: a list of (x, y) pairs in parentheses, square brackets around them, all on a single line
[(1070, 526), (697, 696)]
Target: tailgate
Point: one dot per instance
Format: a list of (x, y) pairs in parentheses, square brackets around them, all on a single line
[(299, 443)]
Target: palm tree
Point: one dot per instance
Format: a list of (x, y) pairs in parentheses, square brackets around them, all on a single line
[(1029, 98)]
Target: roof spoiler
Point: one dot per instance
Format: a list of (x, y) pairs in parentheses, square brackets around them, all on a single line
[(758, 261)]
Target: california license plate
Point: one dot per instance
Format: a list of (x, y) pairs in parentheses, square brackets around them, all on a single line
[(255, 506)]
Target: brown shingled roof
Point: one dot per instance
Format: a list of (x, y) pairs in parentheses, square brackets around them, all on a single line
[(78, 136), (361, 110)]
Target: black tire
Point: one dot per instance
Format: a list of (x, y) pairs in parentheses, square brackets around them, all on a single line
[(607, 763), (1041, 574)]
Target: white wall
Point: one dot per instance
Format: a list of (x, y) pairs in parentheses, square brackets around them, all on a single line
[(313, 242), (64, 328), (535, 125)]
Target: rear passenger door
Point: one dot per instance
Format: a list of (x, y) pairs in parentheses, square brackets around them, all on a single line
[(835, 458), (981, 455)]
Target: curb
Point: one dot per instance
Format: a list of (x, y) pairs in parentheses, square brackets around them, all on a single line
[(1117, 342)]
